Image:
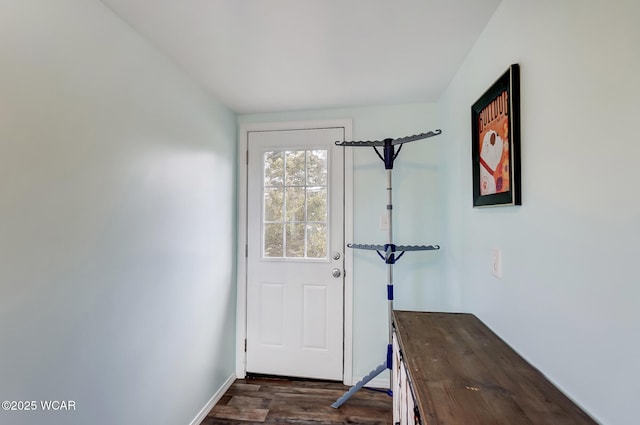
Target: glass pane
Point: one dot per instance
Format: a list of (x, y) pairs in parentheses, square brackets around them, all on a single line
[(295, 204), (317, 167), (316, 204), (295, 240), (273, 203), (317, 240), (273, 168), (273, 240), (295, 166)]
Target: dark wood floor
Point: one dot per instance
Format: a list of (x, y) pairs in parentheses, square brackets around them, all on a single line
[(263, 400)]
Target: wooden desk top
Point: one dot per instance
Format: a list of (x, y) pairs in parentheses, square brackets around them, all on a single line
[(464, 374)]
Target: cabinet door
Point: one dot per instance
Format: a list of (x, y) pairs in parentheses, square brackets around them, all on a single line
[(395, 380), (411, 407), (405, 396), (404, 405)]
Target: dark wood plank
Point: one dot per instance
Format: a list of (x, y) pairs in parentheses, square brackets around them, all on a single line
[(300, 408), (463, 373), (242, 388), (239, 413), (249, 402), (271, 401)]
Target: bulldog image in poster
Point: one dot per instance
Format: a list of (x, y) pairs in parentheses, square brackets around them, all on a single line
[(490, 156), (494, 147)]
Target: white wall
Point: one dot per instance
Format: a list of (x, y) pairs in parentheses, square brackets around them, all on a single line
[(417, 219), (569, 299), (117, 223)]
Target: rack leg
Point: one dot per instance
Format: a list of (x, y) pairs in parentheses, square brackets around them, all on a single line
[(389, 259), (364, 381)]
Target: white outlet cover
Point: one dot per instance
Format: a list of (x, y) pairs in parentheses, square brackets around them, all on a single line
[(384, 223), (496, 262)]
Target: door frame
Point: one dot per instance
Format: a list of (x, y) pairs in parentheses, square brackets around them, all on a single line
[(241, 306)]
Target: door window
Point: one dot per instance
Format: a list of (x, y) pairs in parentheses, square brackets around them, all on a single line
[(295, 204)]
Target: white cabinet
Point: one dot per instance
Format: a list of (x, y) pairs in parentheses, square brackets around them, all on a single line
[(404, 403)]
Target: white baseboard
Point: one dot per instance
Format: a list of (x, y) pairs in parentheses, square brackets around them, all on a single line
[(381, 381), (212, 402)]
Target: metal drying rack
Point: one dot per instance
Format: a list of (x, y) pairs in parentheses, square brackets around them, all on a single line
[(389, 252)]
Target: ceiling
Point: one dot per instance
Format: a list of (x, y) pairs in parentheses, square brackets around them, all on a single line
[(283, 55)]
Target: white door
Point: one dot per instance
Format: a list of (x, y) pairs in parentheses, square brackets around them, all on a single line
[(294, 257)]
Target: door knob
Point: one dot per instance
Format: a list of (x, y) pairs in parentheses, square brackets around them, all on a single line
[(336, 273)]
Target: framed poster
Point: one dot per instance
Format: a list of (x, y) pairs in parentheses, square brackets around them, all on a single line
[(495, 137)]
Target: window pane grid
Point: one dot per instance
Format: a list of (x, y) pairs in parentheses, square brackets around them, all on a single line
[(295, 204)]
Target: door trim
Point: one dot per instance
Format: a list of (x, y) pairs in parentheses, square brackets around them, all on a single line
[(241, 307)]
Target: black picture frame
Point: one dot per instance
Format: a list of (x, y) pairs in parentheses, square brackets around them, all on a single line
[(495, 138)]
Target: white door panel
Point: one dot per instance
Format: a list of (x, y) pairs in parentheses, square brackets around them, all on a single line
[(295, 225)]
